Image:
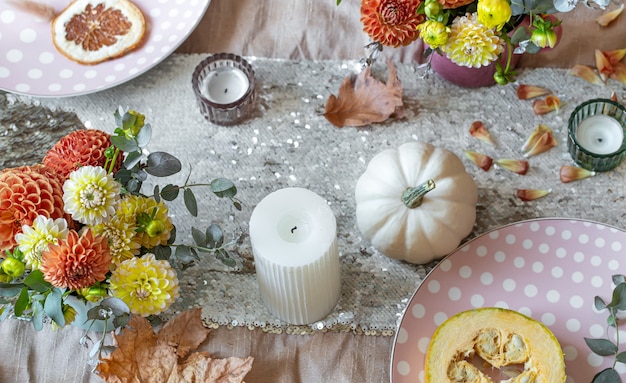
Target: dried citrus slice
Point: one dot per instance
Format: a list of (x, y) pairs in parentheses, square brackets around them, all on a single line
[(93, 31), (491, 344)]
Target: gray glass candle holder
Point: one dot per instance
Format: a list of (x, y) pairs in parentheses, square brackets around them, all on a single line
[(224, 86), (597, 134)]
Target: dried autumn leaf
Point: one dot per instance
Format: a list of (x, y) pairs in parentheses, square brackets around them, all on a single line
[(531, 194), (569, 173), (143, 356), (526, 92), (479, 131), (607, 17), (483, 161), (516, 166), (364, 100), (586, 73), (547, 105)]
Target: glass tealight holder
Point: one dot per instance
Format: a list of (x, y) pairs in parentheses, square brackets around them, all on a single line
[(224, 86), (597, 134)]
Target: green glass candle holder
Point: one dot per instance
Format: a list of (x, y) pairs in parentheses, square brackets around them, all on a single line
[(597, 134)]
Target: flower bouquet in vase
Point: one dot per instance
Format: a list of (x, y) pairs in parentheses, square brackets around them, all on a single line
[(469, 42)]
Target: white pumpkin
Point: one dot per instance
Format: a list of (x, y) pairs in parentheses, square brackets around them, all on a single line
[(415, 203)]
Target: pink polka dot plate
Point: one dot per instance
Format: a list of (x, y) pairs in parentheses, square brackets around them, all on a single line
[(549, 269), (31, 65)]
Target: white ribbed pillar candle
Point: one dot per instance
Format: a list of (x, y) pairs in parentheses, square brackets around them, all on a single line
[(293, 233)]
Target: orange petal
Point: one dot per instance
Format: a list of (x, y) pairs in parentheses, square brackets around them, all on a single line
[(606, 18), (532, 194), (574, 173), (534, 136), (547, 105), (516, 166), (479, 131), (525, 92), (586, 73), (604, 66), (619, 73), (543, 143), (614, 96), (615, 56), (481, 160)]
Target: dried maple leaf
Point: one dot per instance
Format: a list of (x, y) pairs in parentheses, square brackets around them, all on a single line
[(364, 100), (145, 357)]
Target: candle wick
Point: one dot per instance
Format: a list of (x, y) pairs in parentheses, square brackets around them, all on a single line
[(293, 229), (225, 90)]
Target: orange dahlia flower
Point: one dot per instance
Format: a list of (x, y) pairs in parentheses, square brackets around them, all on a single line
[(451, 4), (391, 22), (25, 193), (76, 262), (79, 148)]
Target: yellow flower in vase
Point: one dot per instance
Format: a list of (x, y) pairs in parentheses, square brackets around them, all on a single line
[(433, 33), (472, 44), (494, 13)]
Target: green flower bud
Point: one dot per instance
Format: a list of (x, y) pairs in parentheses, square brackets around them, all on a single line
[(12, 267), (544, 38), (155, 227)]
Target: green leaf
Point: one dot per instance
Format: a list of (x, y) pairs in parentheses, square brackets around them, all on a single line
[(22, 302), (172, 238), (121, 320), (144, 136), (35, 281), (618, 300), (190, 202), (223, 187), (155, 193), (53, 306), (602, 347), (214, 236), (128, 120), (132, 159), (10, 289), (186, 254), (198, 237), (118, 306), (225, 258), (617, 279), (162, 252), (607, 375), (133, 186), (161, 164), (599, 303), (237, 205), (124, 144), (621, 357), (37, 315), (170, 192)]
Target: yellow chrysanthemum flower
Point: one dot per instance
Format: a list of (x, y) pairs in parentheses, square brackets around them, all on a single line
[(494, 13), (132, 207), (472, 44), (90, 195), (433, 33), (34, 240), (146, 285), (123, 239)]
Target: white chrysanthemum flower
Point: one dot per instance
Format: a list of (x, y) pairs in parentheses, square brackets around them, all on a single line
[(34, 240), (90, 195)]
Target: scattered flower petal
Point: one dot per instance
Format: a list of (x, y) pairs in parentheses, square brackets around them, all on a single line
[(540, 140), (549, 104), (619, 72), (603, 64), (615, 56), (516, 166), (532, 194), (607, 17), (614, 96), (481, 160), (526, 92), (586, 73), (570, 173), (479, 131)]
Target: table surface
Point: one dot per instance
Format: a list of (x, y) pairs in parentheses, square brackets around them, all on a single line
[(288, 142)]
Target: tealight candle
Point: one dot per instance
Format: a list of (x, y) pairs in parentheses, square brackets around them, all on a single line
[(224, 87), (596, 134), (600, 134), (293, 234)]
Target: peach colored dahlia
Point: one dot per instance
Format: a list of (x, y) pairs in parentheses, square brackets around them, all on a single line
[(25, 193), (77, 262), (79, 148), (451, 4), (391, 22)]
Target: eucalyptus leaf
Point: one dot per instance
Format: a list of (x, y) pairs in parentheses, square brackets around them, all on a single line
[(118, 306), (214, 236), (186, 254), (618, 299), (602, 347), (53, 306), (225, 258), (123, 175), (170, 192), (190, 202), (599, 303), (161, 164), (99, 313), (198, 237), (223, 187), (618, 278), (155, 193), (124, 144), (144, 136), (121, 320), (22, 302), (37, 318), (621, 357), (162, 252), (607, 375), (133, 186), (35, 281), (132, 159), (10, 289), (128, 120), (172, 238), (95, 349)]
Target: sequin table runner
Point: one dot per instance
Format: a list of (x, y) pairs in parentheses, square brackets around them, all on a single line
[(289, 143)]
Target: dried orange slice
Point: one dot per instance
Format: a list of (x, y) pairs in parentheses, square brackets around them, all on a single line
[(491, 344), (93, 31)]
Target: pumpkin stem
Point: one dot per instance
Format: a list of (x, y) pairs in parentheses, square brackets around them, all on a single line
[(412, 197)]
